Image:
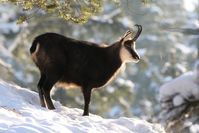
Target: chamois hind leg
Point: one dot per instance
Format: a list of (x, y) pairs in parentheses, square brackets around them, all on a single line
[(87, 96), (40, 89), (46, 90)]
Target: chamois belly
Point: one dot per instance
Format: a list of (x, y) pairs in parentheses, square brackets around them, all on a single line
[(93, 78), (96, 82), (66, 85)]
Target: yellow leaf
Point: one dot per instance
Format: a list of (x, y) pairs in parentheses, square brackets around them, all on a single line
[(21, 19)]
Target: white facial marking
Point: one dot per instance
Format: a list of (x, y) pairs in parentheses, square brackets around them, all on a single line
[(126, 56)]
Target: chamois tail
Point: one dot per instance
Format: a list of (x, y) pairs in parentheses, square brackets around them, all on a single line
[(34, 46)]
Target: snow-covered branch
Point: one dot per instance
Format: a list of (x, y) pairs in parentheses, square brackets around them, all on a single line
[(179, 98)]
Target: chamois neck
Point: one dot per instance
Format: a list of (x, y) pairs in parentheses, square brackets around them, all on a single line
[(114, 53)]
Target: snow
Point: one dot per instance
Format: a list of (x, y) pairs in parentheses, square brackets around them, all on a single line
[(178, 100), (184, 49), (20, 112), (189, 5), (177, 94), (184, 85), (183, 88), (194, 128), (6, 28)]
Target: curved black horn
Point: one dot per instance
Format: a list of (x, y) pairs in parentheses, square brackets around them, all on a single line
[(127, 33), (138, 33)]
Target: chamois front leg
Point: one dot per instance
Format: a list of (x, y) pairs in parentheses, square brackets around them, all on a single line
[(87, 96)]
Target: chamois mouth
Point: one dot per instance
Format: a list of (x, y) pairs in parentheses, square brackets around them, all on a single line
[(136, 58)]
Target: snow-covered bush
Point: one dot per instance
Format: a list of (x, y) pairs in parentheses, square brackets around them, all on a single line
[(179, 98)]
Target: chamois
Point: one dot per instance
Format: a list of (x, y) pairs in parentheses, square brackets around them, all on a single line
[(87, 65)]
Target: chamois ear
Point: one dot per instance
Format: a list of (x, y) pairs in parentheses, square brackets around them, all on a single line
[(126, 36)]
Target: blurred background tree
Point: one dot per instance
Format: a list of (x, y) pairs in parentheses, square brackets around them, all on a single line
[(74, 10), (164, 54)]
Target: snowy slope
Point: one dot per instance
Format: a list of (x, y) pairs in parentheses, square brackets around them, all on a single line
[(20, 112)]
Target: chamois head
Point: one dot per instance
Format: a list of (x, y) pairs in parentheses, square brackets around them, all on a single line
[(128, 52)]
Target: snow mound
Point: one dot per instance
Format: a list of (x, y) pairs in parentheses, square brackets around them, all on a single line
[(20, 112)]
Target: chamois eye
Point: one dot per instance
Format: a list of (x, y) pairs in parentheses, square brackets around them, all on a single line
[(129, 44)]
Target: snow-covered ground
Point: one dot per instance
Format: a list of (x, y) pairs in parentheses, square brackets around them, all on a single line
[(20, 112)]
